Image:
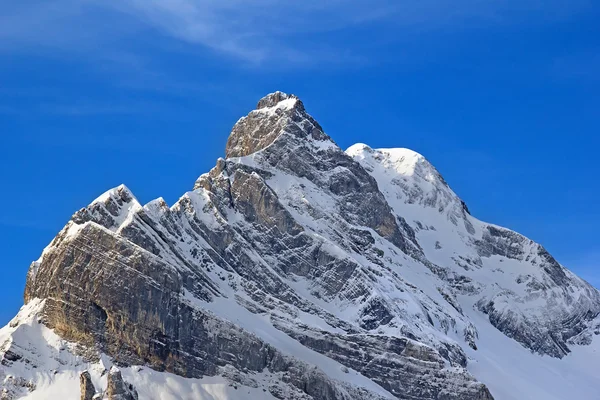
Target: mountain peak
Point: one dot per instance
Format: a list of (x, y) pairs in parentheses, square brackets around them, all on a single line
[(273, 99), (409, 178), (111, 209), (275, 114), (402, 161), (121, 192)]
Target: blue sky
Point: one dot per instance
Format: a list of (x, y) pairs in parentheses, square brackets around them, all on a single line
[(501, 96)]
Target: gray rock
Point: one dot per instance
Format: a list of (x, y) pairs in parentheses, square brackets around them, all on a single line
[(86, 386), (568, 313), (117, 388)]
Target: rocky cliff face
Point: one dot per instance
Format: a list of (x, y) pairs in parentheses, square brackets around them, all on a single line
[(294, 269)]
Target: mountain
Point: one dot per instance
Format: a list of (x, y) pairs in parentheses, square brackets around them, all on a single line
[(297, 270)]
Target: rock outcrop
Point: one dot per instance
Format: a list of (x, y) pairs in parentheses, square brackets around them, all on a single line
[(86, 386), (117, 388)]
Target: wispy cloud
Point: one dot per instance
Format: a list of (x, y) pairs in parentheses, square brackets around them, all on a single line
[(254, 31), (138, 45)]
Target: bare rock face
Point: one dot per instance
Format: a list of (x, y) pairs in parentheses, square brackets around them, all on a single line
[(86, 386), (117, 388), (295, 260), (280, 134), (551, 332), (261, 127)]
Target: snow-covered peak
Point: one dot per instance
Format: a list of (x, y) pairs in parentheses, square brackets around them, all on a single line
[(407, 178), (262, 126), (277, 99), (401, 161), (278, 115), (112, 209), (119, 192)]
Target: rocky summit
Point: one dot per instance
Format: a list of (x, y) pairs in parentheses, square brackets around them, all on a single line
[(297, 270)]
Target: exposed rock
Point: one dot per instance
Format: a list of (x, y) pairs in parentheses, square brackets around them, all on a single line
[(117, 388), (86, 386), (572, 304), (262, 126)]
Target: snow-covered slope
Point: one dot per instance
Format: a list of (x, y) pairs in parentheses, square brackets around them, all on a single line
[(528, 295), (295, 270)]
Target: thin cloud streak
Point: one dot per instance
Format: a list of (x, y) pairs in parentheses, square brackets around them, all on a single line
[(256, 32)]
